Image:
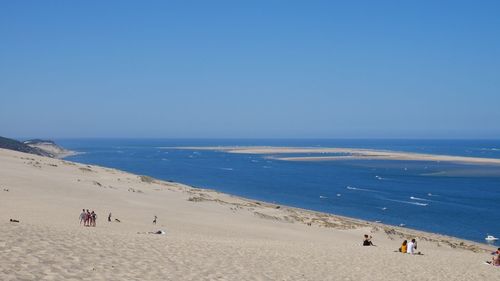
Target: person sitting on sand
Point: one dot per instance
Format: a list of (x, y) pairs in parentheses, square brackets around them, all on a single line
[(412, 248), (367, 241), (496, 258), (404, 246)]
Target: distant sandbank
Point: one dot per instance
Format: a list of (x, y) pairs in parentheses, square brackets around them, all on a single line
[(345, 154)]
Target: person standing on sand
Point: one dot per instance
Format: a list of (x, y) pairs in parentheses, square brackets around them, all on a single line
[(82, 217), (87, 218), (93, 216), (154, 221), (109, 217)]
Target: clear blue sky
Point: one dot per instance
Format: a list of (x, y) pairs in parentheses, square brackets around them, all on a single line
[(327, 69)]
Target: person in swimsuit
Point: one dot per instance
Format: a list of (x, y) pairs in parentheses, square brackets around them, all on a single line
[(154, 221), (496, 258)]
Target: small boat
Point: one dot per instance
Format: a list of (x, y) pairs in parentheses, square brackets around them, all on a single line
[(490, 238)]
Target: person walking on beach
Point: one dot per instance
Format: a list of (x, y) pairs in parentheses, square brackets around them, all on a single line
[(154, 221), (82, 217)]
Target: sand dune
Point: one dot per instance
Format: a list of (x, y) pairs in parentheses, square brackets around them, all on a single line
[(209, 235)]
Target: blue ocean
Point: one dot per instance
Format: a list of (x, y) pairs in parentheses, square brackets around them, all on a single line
[(453, 199)]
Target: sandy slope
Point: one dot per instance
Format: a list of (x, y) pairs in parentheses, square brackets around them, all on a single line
[(210, 236)]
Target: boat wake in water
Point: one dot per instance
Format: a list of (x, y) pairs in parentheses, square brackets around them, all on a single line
[(418, 199), (409, 202), (360, 189)]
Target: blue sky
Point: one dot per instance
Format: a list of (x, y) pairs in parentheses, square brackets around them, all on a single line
[(299, 69)]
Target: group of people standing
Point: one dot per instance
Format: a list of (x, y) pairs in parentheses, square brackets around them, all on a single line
[(88, 218)]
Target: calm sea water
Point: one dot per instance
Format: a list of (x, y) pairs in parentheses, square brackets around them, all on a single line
[(453, 199)]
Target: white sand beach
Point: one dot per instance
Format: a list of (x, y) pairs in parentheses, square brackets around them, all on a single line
[(209, 235)]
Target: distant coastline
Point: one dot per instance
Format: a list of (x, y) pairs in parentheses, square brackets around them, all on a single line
[(54, 150)]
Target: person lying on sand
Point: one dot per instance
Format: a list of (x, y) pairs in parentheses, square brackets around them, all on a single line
[(367, 241), (153, 232), (13, 220), (157, 232)]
